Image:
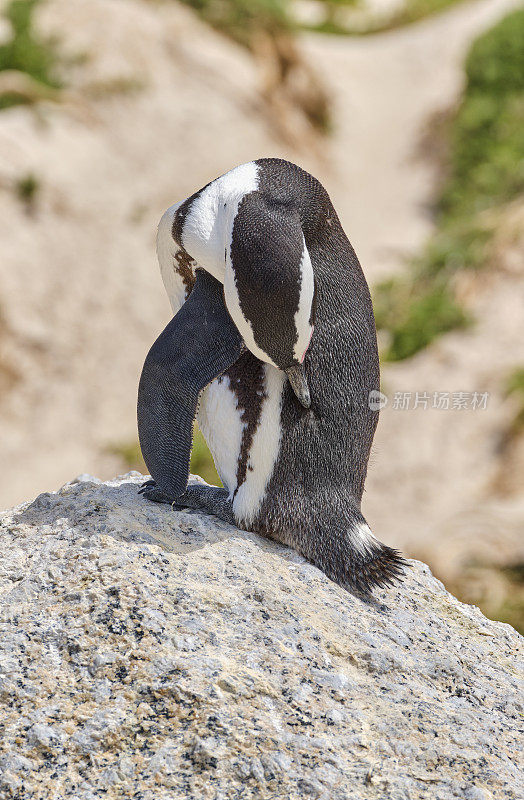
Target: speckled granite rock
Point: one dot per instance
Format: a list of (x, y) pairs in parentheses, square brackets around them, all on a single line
[(153, 654)]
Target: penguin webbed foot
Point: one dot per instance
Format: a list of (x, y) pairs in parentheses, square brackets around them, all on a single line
[(151, 491), (209, 499)]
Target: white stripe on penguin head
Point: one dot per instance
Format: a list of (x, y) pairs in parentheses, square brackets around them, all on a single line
[(303, 314), (208, 225)]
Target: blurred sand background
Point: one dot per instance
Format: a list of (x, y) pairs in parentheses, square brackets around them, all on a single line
[(156, 104)]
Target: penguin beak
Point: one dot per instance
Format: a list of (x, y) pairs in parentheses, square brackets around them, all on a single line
[(297, 379)]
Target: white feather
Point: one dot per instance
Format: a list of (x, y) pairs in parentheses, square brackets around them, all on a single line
[(209, 223), (166, 249), (307, 290), (264, 449), (362, 539), (220, 422)]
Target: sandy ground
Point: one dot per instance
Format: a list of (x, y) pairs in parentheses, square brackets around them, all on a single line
[(161, 106)]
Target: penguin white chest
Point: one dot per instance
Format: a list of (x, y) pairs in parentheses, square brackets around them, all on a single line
[(264, 448), (244, 437), (220, 420)]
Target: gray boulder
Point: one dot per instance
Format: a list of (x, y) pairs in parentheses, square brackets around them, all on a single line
[(153, 654)]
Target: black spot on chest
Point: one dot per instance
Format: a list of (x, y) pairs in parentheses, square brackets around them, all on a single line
[(184, 266)]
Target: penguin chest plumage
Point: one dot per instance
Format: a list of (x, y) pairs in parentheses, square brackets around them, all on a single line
[(220, 420), (177, 267), (260, 399), (240, 417)]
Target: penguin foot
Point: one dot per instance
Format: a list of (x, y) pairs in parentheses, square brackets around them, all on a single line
[(209, 499), (151, 491)]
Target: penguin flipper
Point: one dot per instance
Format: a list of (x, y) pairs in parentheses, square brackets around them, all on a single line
[(197, 345)]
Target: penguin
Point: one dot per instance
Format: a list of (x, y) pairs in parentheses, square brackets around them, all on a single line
[(273, 349)]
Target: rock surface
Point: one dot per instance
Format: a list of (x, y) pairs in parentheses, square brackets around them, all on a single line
[(153, 654)]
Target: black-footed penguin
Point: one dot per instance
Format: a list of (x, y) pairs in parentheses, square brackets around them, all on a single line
[(273, 348)]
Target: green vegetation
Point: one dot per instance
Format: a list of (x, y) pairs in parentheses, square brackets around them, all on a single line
[(242, 20), (485, 173), (487, 147), (414, 313), (337, 23), (129, 453), (413, 10), (511, 610), (201, 459), (497, 591), (515, 388), (26, 53), (103, 89), (26, 189)]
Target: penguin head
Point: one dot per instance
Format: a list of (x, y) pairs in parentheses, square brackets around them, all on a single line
[(251, 239)]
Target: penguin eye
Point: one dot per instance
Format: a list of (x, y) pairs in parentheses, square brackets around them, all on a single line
[(313, 306)]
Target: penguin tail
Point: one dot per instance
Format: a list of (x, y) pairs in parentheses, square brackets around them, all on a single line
[(371, 564), (350, 555)]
